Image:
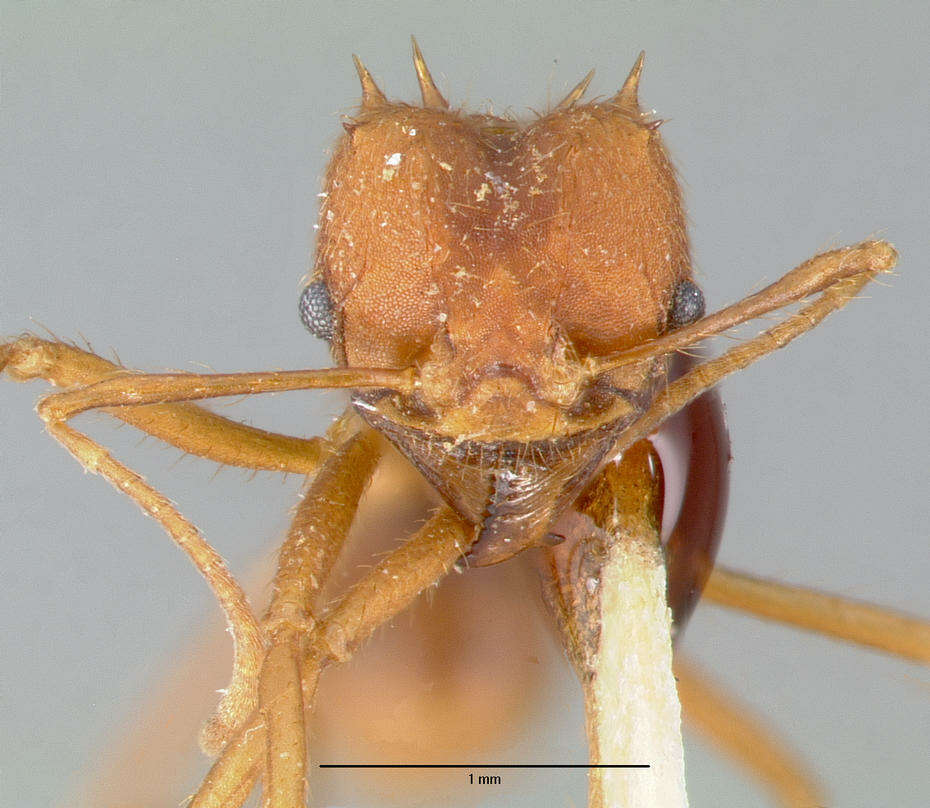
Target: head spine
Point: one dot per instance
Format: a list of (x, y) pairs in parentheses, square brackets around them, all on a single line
[(575, 94), (428, 89)]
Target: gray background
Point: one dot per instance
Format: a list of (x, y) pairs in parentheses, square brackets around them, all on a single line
[(160, 166)]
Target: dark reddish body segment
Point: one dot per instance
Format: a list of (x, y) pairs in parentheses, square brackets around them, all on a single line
[(695, 532)]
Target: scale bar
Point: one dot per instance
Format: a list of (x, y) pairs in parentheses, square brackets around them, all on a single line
[(484, 765)]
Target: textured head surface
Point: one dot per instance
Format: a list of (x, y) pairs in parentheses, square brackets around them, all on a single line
[(482, 249)]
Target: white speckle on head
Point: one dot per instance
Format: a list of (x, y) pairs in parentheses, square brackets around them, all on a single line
[(445, 166), (591, 585), (393, 159), (442, 317)]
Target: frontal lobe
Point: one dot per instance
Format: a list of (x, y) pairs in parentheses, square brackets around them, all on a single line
[(396, 197), (614, 243)]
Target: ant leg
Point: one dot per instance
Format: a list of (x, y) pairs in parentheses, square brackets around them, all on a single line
[(232, 778), (242, 694), (744, 738), (190, 428), (386, 591), (248, 638), (317, 533), (284, 778), (307, 556), (855, 621), (391, 586)]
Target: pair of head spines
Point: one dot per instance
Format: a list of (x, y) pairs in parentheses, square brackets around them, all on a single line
[(372, 97), (627, 97)]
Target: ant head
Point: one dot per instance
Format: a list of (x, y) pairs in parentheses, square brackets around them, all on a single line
[(500, 257)]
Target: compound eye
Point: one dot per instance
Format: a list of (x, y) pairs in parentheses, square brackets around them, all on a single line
[(687, 304), (316, 310)]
